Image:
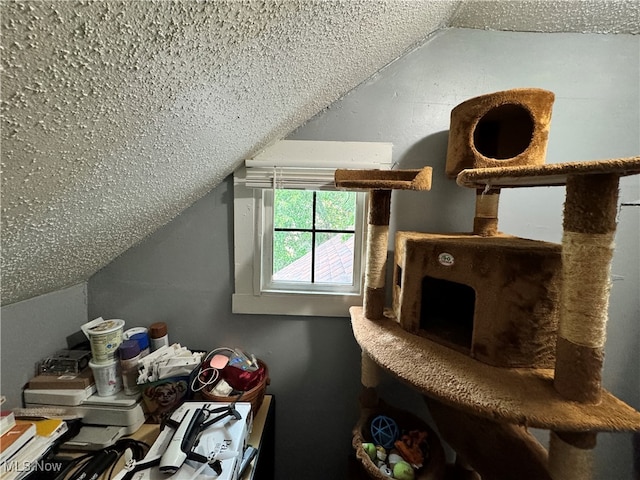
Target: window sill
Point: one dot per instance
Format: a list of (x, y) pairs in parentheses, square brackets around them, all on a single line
[(318, 305)]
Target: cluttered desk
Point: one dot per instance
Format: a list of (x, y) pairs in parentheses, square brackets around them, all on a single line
[(115, 411)]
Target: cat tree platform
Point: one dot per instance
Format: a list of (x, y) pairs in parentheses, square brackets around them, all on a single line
[(553, 174), (418, 179), (520, 396)]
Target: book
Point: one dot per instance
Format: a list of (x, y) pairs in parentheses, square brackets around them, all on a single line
[(46, 427), (69, 381), (28, 458), (12, 441), (7, 421)]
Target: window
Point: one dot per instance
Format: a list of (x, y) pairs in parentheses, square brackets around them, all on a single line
[(312, 245), (298, 241)]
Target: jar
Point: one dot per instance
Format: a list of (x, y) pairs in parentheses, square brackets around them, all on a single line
[(158, 335), (129, 352)]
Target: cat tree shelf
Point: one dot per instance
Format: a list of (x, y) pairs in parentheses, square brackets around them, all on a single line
[(553, 174), (519, 396), (419, 179)]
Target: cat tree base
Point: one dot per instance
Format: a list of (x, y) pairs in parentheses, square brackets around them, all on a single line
[(518, 396)]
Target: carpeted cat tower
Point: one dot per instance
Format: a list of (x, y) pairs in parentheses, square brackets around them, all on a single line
[(500, 333)]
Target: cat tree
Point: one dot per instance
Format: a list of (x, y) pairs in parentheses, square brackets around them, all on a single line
[(500, 333)]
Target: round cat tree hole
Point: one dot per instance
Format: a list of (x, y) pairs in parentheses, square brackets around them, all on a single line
[(504, 132)]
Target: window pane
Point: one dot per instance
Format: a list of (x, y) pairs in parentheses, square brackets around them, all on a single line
[(336, 210), (292, 256), (293, 209), (334, 258)]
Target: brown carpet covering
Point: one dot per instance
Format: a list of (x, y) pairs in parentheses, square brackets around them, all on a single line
[(384, 179), (520, 396), (552, 174)]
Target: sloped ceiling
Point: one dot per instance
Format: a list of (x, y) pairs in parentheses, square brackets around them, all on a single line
[(117, 115)]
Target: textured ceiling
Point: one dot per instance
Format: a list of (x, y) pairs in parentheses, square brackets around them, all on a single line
[(117, 115)]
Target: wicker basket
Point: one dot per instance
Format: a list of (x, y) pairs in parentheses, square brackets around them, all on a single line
[(434, 469), (255, 396)]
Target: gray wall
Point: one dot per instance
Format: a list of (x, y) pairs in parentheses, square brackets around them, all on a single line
[(32, 329), (183, 274)]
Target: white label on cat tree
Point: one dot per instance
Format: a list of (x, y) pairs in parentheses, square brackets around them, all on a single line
[(446, 259)]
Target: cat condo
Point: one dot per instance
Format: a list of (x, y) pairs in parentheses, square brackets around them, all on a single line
[(499, 333)]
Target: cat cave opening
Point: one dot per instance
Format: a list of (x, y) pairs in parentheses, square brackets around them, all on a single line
[(447, 312), (504, 132)]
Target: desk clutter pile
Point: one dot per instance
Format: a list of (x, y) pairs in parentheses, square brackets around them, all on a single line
[(106, 385)]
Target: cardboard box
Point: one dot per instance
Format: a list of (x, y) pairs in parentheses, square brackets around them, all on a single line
[(68, 381)]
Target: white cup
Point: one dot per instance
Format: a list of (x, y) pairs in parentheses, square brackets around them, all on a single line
[(105, 337), (107, 377)]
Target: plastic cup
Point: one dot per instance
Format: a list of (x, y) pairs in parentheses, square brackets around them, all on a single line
[(107, 377), (105, 338)]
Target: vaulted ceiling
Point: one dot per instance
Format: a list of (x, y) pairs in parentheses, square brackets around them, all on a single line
[(117, 115)]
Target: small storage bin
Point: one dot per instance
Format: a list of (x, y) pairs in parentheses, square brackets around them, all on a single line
[(433, 469), (255, 395)]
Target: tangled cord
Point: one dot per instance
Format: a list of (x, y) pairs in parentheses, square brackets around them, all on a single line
[(138, 451), (137, 448), (207, 376)]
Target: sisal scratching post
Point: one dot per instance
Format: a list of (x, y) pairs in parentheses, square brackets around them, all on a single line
[(377, 241), (587, 248), (570, 455), (485, 222), (370, 378), (370, 373)]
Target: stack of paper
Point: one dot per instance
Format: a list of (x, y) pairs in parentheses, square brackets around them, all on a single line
[(14, 439), (7, 421), (35, 444)]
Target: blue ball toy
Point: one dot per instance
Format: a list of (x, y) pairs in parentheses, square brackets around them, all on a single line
[(384, 431)]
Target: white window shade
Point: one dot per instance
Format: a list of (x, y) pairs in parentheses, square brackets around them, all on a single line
[(290, 177), (311, 165)]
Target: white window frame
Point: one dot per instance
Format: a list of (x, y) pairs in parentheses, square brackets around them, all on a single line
[(269, 285), (310, 165)]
